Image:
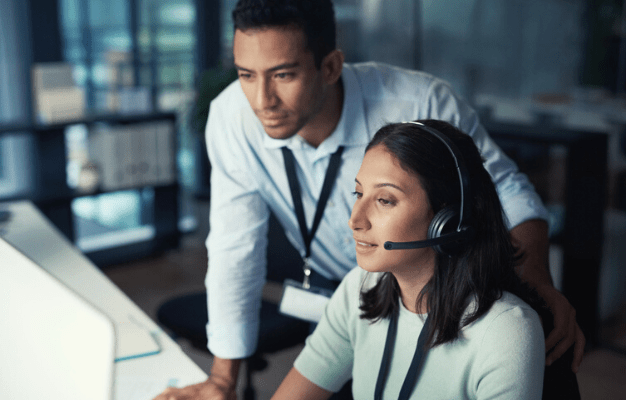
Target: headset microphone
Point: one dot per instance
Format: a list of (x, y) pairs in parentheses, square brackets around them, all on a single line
[(460, 236)]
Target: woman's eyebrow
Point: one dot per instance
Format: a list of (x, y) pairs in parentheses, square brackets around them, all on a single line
[(379, 185)]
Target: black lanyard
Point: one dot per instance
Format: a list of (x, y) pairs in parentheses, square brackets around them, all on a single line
[(329, 179), (418, 357)]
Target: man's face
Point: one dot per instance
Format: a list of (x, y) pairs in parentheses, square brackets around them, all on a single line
[(279, 78)]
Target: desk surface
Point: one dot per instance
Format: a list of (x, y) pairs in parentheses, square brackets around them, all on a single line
[(30, 232)]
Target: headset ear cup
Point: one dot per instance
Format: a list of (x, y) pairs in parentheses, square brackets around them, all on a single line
[(444, 222)]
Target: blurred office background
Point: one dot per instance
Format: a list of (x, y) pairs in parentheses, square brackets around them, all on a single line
[(79, 77)]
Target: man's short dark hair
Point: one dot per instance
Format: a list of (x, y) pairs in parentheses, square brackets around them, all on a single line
[(315, 17)]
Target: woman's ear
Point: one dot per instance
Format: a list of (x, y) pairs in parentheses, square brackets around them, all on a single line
[(332, 66)]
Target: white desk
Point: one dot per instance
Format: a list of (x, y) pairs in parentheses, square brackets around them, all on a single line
[(30, 232)]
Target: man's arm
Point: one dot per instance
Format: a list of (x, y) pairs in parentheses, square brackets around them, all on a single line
[(531, 238), (237, 240), (236, 247)]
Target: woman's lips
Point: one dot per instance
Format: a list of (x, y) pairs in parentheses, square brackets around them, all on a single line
[(364, 246)]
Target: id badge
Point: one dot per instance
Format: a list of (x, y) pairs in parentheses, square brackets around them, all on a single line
[(303, 303)]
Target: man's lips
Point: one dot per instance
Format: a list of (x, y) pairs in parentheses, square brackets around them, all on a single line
[(272, 118)]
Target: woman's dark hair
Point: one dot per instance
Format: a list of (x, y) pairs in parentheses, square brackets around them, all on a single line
[(315, 17), (484, 268)]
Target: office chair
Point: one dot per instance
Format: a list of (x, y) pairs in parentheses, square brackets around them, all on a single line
[(186, 316)]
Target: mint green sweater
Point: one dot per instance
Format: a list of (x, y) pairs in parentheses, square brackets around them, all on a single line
[(499, 356)]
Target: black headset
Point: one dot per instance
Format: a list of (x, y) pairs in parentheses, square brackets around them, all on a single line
[(449, 230)]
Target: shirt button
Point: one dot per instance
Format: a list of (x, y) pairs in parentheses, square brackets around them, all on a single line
[(330, 203)]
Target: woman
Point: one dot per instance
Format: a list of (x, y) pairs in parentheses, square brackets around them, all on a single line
[(435, 310)]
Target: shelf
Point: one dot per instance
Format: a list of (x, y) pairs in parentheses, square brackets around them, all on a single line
[(50, 190), (87, 120)]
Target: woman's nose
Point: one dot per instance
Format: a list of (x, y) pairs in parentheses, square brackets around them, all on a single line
[(359, 218)]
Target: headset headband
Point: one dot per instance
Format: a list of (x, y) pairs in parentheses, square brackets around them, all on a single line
[(460, 167)]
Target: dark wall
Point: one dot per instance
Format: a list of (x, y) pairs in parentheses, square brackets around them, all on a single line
[(46, 38), (605, 54)]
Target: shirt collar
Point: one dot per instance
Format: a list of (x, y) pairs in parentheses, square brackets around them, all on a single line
[(350, 127)]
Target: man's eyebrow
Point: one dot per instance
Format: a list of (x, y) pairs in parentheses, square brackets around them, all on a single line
[(277, 67), (379, 185)]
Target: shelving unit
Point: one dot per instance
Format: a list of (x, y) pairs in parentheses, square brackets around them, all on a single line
[(53, 196)]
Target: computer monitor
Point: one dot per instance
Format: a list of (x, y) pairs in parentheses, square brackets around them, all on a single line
[(53, 343)]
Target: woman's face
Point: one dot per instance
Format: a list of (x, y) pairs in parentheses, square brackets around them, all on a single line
[(391, 205)]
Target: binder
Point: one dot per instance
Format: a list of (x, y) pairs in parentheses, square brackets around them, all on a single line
[(165, 153), (149, 154), (103, 152), (126, 165)]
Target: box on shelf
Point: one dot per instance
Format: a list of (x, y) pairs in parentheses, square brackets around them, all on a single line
[(56, 96)]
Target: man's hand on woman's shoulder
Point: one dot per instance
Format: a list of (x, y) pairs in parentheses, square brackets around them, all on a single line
[(566, 331)]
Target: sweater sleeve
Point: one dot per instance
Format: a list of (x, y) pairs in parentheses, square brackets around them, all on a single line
[(327, 358), (511, 357)]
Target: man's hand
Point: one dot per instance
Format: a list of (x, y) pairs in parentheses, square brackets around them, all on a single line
[(221, 384), (530, 237), (206, 390), (565, 331)]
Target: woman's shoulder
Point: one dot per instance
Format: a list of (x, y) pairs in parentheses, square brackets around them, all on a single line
[(510, 314), (511, 307), (506, 344), (508, 301)]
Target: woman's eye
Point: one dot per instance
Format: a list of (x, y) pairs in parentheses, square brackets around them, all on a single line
[(357, 194), (385, 202)]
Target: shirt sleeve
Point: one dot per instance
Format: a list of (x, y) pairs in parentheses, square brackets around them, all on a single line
[(327, 357), (511, 358), (517, 195), (236, 243)]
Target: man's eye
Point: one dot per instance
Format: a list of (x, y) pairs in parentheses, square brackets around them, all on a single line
[(283, 75)]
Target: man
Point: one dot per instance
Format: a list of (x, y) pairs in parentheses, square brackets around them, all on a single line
[(294, 91)]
